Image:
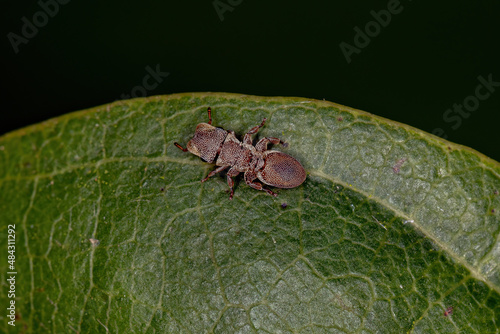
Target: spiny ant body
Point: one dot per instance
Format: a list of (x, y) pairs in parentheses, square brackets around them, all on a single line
[(216, 145)]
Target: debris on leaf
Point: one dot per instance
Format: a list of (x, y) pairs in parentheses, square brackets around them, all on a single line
[(94, 242)]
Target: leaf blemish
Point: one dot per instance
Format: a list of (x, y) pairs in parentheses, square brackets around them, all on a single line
[(396, 168)]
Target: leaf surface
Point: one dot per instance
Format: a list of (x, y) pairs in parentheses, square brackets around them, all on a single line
[(115, 232)]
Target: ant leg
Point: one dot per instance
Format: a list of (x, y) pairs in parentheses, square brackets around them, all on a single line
[(215, 171), (248, 137), (209, 110), (261, 145), (250, 176), (179, 146), (230, 173)]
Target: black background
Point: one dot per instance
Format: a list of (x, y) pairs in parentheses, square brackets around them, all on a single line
[(426, 59)]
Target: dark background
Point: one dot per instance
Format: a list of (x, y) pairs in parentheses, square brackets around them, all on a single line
[(426, 59)]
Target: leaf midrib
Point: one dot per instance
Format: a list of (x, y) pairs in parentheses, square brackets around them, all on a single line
[(418, 227)]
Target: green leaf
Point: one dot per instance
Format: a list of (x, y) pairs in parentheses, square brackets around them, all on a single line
[(115, 232)]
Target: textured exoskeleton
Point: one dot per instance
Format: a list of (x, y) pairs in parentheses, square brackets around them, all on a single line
[(274, 168)]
